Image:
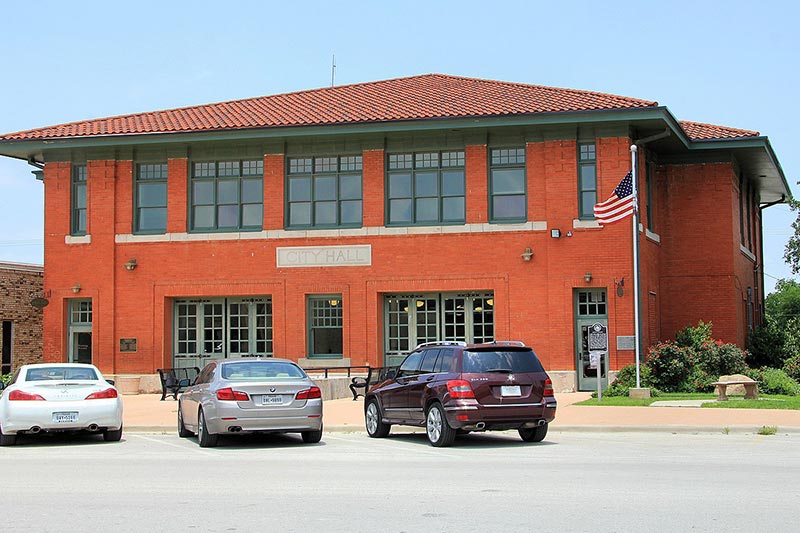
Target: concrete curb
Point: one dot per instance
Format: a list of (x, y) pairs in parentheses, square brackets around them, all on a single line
[(684, 430)]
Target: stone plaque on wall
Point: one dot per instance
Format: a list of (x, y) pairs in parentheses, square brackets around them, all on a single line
[(328, 256), (626, 342)]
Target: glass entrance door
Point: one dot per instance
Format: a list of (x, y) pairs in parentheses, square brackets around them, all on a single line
[(590, 309), (79, 345), (81, 349)]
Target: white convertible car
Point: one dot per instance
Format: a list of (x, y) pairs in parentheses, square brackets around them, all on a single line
[(59, 397)]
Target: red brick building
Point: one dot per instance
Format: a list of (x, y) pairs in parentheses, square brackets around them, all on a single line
[(20, 319), (344, 225)]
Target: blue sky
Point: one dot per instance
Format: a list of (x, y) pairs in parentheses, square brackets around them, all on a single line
[(730, 63)]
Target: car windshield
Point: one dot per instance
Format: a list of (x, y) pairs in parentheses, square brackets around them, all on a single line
[(255, 370), (510, 361), (61, 373)]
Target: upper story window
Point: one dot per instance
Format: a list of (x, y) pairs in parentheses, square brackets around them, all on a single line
[(587, 180), (426, 188), (648, 173), (324, 192), (507, 196), (150, 198), (78, 200), (227, 195)]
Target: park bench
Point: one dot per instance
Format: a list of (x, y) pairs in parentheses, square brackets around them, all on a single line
[(750, 389), (359, 385), (175, 380)]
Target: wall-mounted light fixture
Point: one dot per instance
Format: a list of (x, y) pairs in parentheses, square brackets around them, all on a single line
[(587, 277), (527, 254), (131, 264), (555, 233), (333, 302), (620, 284), (77, 288)]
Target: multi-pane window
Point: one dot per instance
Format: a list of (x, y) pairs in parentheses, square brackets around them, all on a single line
[(80, 311), (78, 200), (325, 326), (324, 192), (648, 180), (587, 180), (151, 198), (223, 327), (411, 319), (426, 188), (507, 196), (592, 302), (227, 195)]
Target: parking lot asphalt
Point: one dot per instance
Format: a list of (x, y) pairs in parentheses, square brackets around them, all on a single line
[(145, 413)]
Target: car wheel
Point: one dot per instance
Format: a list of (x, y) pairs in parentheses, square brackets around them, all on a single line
[(311, 437), (373, 419), (182, 431), (204, 438), (536, 434), (7, 440), (440, 434), (112, 435)]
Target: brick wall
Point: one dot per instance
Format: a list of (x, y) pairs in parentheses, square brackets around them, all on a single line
[(690, 271), (19, 284)]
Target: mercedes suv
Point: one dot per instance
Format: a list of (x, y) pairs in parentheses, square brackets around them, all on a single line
[(453, 387)]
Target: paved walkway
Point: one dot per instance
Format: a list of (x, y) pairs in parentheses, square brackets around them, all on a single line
[(146, 413)]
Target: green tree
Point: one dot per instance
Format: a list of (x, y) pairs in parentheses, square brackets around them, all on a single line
[(784, 304), (792, 251)]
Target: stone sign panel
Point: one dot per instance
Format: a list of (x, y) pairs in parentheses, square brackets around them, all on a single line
[(324, 256)]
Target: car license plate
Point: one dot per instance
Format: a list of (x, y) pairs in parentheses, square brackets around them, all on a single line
[(271, 399), (510, 390), (59, 418)]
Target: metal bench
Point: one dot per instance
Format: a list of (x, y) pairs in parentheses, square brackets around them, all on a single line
[(175, 380), (359, 385), (750, 389)]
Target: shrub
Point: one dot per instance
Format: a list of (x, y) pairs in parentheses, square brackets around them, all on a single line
[(765, 345), (626, 379), (670, 366), (792, 367), (694, 337), (717, 359), (774, 381), (5, 378)]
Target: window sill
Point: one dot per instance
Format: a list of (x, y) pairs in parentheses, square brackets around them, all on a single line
[(78, 239), (747, 253), (585, 223)]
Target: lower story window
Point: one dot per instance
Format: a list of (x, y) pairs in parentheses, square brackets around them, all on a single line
[(325, 326), (215, 328), (411, 319)]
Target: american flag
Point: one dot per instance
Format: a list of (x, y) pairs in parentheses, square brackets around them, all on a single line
[(619, 205)]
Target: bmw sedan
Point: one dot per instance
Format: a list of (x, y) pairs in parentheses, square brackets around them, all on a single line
[(234, 396), (53, 397)]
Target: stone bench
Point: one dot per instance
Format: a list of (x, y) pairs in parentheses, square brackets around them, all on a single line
[(750, 389)]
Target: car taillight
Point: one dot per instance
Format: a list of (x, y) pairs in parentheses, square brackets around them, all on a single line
[(548, 388), (22, 395), (309, 394), (108, 393), (232, 395), (460, 389)]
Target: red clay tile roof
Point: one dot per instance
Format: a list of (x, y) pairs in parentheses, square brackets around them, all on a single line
[(698, 131), (428, 96)]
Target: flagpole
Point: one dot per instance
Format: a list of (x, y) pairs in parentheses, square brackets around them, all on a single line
[(634, 175)]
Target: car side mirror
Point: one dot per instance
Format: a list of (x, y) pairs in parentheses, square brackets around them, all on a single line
[(2, 385), (391, 374), (110, 381)]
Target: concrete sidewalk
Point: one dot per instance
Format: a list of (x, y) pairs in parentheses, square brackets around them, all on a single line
[(145, 413)]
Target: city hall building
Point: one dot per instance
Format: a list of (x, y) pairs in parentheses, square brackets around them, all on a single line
[(342, 226)]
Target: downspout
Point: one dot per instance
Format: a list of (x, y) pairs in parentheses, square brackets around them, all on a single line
[(762, 296), (38, 174)]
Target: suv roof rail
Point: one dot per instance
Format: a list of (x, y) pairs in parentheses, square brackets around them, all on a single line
[(512, 343), (440, 343)]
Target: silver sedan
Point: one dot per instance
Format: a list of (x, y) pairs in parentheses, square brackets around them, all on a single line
[(59, 397), (250, 396)]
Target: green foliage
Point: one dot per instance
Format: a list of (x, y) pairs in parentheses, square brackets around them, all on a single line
[(694, 337), (670, 366), (626, 379), (5, 378), (774, 381), (717, 359), (792, 367), (792, 251), (784, 304), (765, 345), (768, 430)]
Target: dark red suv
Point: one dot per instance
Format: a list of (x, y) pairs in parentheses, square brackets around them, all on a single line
[(453, 387)]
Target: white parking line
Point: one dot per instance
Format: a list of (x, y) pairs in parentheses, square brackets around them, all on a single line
[(173, 445)]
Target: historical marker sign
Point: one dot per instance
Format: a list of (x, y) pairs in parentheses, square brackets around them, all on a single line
[(598, 337), (127, 345)]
